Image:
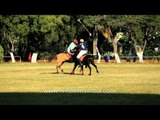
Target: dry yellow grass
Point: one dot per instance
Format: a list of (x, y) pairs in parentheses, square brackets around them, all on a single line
[(113, 78)]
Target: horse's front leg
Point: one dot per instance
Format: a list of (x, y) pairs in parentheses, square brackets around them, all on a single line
[(92, 62), (89, 69), (75, 65)]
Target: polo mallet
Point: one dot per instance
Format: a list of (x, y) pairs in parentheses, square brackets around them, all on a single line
[(84, 27)]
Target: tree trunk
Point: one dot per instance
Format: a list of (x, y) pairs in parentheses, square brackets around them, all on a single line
[(12, 57), (117, 58), (95, 46), (140, 56), (140, 51), (10, 44), (34, 57), (115, 40), (95, 50), (99, 56), (95, 41), (108, 35)]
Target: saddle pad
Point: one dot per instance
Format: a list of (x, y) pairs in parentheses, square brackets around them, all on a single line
[(82, 57)]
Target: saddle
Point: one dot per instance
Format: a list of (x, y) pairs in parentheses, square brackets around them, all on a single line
[(69, 56), (82, 57)]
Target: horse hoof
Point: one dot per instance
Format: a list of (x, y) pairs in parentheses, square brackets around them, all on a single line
[(89, 74), (72, 73), (82, 73)]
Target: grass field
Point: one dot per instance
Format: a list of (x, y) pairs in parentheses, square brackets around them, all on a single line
[(115, 84)]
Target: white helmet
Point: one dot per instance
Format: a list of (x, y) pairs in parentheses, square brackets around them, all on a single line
[(81, 40)]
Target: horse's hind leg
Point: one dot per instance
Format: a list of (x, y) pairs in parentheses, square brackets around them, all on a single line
[(58, 66), (92, 62)]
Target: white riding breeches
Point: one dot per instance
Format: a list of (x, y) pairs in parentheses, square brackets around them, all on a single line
[(82, 52)]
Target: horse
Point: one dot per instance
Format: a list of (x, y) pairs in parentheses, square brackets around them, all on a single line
[(86, 60), (65, 57), (62, 58)]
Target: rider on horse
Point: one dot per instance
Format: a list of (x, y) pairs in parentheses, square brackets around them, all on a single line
[(71, 47), (83, 50)]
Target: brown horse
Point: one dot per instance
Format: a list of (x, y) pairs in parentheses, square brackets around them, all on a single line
[(61, 58)]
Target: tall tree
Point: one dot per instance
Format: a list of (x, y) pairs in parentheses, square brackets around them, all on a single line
[(141, 29), (37, 33)]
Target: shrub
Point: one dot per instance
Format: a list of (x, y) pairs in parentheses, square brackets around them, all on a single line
[(1, 53), (44, 55)]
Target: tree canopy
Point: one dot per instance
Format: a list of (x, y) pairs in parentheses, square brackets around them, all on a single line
[(51, 34)]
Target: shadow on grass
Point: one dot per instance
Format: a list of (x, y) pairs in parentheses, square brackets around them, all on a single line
[(78, 99), (61, 73)]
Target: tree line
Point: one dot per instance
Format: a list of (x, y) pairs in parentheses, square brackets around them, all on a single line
[(51, 34)]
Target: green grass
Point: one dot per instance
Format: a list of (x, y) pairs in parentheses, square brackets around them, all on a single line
[(122, 84)]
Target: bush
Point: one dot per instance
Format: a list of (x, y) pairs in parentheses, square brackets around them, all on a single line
[(1, 53), (44, 55)]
